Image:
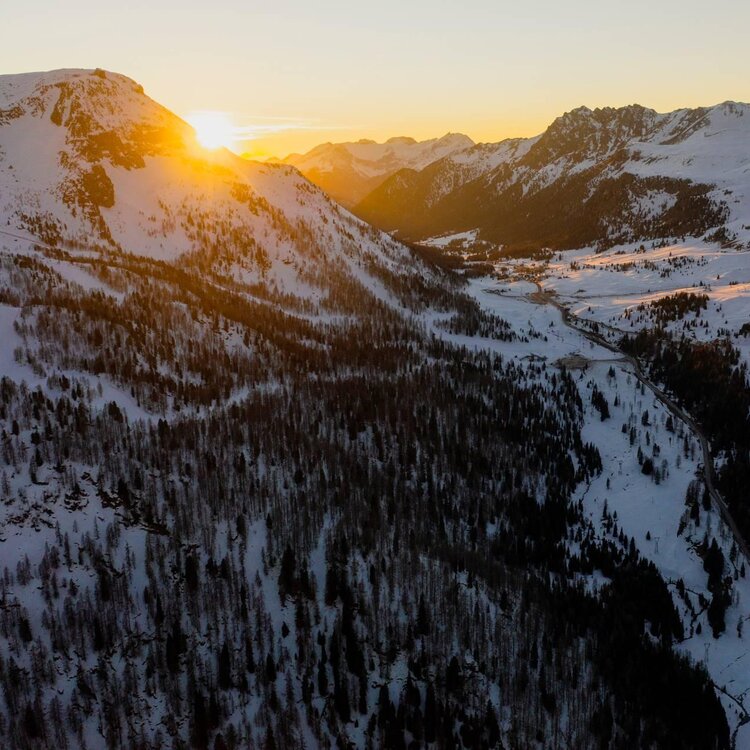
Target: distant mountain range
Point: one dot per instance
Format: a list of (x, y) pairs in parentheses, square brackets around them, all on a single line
[(594, 177), (350, 171)]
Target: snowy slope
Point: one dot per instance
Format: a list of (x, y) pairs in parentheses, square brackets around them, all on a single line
[(620, 287), (147, 284)]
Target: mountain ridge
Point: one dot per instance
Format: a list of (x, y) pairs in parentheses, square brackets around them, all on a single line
[(623, 163), (78, 147)]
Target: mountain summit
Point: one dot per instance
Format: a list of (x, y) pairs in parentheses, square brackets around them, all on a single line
[(89, 162)]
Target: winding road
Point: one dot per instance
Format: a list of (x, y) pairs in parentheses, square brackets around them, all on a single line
[(576, 323)]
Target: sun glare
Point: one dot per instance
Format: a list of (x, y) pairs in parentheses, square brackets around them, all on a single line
[(212, 129)]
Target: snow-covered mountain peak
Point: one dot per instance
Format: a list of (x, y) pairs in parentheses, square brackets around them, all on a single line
[(100, 113), (89, 163), (403, 140), (586, 133)]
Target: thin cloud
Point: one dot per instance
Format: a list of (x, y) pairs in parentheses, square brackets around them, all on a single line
[(260, 127), (248, 127)]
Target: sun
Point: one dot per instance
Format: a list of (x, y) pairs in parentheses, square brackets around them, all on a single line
[(212, 129)]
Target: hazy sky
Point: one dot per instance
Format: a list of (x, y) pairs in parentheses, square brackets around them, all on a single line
[(295, 73)]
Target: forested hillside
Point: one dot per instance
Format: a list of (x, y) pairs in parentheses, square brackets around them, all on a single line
[(362, 536)]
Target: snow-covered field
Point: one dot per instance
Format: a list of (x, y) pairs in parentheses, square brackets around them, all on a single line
[(610, 287)]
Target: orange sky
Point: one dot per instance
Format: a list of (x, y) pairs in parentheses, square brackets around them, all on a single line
[(292, 74)]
